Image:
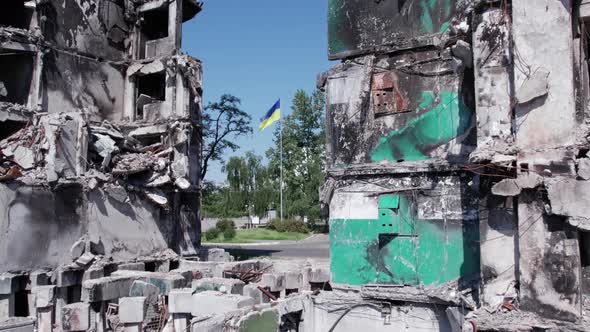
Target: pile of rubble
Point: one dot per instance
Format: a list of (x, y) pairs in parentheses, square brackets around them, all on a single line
[(160, 293), (50, 150)]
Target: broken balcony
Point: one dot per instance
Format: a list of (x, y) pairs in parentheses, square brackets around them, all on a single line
[(163, 89), (18, 88), (151, 95), (158, 30)]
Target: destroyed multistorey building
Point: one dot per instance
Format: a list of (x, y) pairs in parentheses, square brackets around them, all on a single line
[(99, 141), (100, 145), (458, 166)]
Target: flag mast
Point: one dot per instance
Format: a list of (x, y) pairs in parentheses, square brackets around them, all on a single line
[(281, 152)]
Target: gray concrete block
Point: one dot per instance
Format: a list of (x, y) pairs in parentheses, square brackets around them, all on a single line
[(180, 301), (44, 296), (164, 281), (66, 278), (76, 317), (6, 306), (319, 275), (105, 289), (38, 278), (251, 290), (215, 255), (142, 288), (77, 249), (584, 167), (224, 285), (293, 280), (139, 266), (202, 269), (215, 303), (274, 281), (9, 283), (17, 324), (132, 309), (94, 273)]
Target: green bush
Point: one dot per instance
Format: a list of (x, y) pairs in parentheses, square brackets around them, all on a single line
[(225, 224), (229, 233), (289, 225), (211, 234)]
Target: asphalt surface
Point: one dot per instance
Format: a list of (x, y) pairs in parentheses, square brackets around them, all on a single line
[(317, 246)]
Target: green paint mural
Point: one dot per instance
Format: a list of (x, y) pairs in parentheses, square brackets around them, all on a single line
[(435, 16), (444, 122), (397, 248)]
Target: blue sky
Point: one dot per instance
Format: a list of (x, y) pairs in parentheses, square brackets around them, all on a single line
[(259, 51)]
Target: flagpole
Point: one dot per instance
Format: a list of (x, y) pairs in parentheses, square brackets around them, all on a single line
[(281, 151)]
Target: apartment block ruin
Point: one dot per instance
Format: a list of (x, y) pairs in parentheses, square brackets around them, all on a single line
[(457, 144), (99, 146)]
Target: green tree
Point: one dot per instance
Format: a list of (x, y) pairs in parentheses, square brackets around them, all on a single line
[(303, 155), (217, 202), (250, 184), (223, 122)]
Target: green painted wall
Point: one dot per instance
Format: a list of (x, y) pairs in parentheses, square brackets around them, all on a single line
[(445, 120), (396, 248)]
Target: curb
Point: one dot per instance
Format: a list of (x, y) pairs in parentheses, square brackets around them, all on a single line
[(237, 245)]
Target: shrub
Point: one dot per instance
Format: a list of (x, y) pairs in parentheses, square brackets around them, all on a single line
[(289, 225), (229, 233), (225, 224), (211, 234)]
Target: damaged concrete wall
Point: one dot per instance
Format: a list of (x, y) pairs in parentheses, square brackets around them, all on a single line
[(71, 121), (494, 89), (73, 82), (418, 230), (99, 30), (39, 226)]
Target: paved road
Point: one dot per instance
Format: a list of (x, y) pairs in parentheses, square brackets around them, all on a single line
[(317, 246)]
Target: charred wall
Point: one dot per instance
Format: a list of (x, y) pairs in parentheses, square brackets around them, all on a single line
[(494, 89), (71, 137)]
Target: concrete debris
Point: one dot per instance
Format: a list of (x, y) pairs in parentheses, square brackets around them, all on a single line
[(210, 303), (142, 288), (568, 198), (158, 197), (78, 249), (462, 50), (182, 183), (584, 168), (159, 181), (223, 285), (3, 91), (104, 145), (85, 259), (75, 317), (24, 157), (537, 85), (132, 163), (117, 193), (513, 187)]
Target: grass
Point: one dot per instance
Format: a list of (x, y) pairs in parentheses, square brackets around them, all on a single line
[(251, 235)]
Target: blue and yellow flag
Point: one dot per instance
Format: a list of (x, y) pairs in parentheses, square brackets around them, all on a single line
[(271, 116)]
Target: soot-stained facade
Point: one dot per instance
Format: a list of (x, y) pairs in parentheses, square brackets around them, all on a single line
[(457, 158), (99, 132)]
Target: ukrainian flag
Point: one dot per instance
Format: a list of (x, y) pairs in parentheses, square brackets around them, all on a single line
[(271, 116)]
